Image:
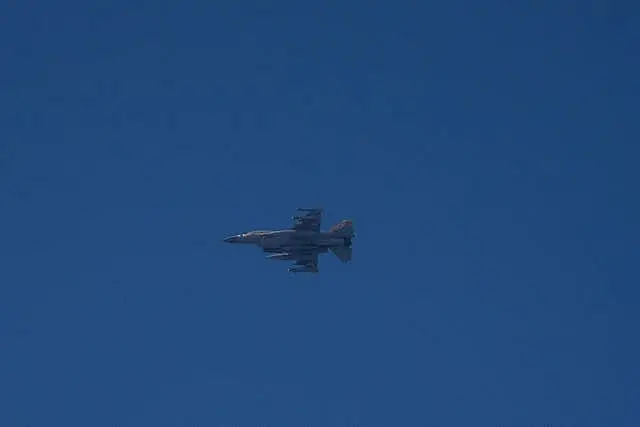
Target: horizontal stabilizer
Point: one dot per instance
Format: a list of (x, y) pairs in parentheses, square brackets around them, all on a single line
[(343, 253)]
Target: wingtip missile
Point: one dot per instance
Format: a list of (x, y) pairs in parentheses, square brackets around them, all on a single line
[(304, 269), (285, 256)]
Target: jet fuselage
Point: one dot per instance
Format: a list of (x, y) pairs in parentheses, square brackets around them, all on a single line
[(288, 239)]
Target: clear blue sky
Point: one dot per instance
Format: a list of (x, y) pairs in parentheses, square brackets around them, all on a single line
[(485, 151)]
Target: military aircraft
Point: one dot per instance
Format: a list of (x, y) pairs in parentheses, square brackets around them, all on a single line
[(303, 242)]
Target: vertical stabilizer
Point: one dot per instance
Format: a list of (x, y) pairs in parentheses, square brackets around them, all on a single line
[(343, 228)]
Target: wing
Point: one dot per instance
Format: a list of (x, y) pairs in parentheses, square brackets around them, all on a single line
[(309, 221), (306, 263)]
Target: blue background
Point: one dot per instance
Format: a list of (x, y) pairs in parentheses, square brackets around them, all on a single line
[(486, 152)]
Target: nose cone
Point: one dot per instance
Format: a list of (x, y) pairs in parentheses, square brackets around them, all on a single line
[(232, 239)]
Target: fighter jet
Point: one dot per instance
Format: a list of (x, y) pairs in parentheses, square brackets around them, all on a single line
[(303, 242)]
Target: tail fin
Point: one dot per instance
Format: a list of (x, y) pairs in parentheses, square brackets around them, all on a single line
[(343, 228), (342, 252)]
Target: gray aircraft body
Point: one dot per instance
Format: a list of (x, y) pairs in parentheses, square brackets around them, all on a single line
[(303, 242)]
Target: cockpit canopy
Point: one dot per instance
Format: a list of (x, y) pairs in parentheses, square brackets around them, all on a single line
[(255, 233)]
